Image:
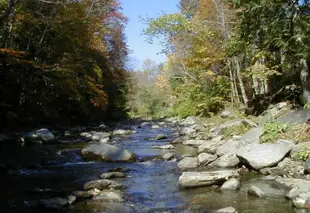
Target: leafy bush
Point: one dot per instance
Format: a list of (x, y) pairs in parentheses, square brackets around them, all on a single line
[(272, 131)]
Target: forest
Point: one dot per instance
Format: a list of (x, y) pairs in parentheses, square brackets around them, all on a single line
[(61, 61), (243, 54), (67, 60)]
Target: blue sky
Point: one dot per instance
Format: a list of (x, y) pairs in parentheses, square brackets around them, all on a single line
[(133, 10)]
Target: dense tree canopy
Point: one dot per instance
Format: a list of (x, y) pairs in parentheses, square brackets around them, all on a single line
[(61, 60)]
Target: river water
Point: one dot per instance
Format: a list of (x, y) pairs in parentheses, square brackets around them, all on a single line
[(151, 185)]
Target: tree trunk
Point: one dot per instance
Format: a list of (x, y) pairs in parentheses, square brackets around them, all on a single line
[(305, 81), (242, 88)]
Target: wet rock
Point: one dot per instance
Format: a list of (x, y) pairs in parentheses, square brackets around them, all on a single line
[(168, 156), (122, 132), (186, 156), (119, 169), (53, 203), (82, 194), (102, 184), (231, 184), (168, 146), (144, 124), (39, 136), (226, 161), (109, 175), (177, 140), (103, 126), (195, 143), (255, 191), (104, 140), (160, 137), (230, 146), (110, 195), (197, 179), (71, 199), (259, 156), (205, 158), (106, 152), (229, 209), (188, 163), (98, 136), (155, 127)]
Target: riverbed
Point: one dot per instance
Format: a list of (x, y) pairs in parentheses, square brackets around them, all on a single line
[(151, 185)]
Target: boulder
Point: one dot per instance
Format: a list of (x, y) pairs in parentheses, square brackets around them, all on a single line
[(168, 156), (232, 184), (302, 201), (106, 152), (197, 179), (53, 203), (102, 184), (255, 191), (187, 131), (226, 161), (229, 209), (259, 156), (109, 175), (71, 199), (98, 136), (191, 120), (39, 136), (160, 137), (82, 194), (210, 146), (188, 163), (195, 143), (230, 146), (307, 166), (110, 195), (205, 158)]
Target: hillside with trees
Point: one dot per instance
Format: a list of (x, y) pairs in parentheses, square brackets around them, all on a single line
[(61, 61), (243, 54)]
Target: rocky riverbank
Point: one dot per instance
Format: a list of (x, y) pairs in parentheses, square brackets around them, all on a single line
[(175, 165)]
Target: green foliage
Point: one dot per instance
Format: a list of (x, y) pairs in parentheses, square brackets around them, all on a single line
[(303, 154), (272, 131)]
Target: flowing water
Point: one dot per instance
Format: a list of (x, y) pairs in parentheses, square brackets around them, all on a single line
[(151, 185)]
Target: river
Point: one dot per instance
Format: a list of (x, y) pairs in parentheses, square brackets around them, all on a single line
[(151, 185)]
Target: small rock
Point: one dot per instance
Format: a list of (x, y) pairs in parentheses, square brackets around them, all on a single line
[(187, 131), (205, 158), (161, 137), (195, 143), (104, 140), (168, 146), (53, 203), (186, 156), (188, 163), (229, 209), (122, 132), (307, 166), (255, 191), (155, 127), (226, 161), (102, 184), (189, 121), (119, 169), (82, 194), (231, 184), (39, 136), (226, 113), (109, 175), (109, 195), (168, 156), (71, 199)]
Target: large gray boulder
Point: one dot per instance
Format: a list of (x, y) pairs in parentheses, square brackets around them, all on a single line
[(39, 136), (188, 163), (197, 179), (102, 184), (226, 161), (106, 152), (230, 146), (232, 184), (195, 143), (259, 156), (205, 158), (210, 146)]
